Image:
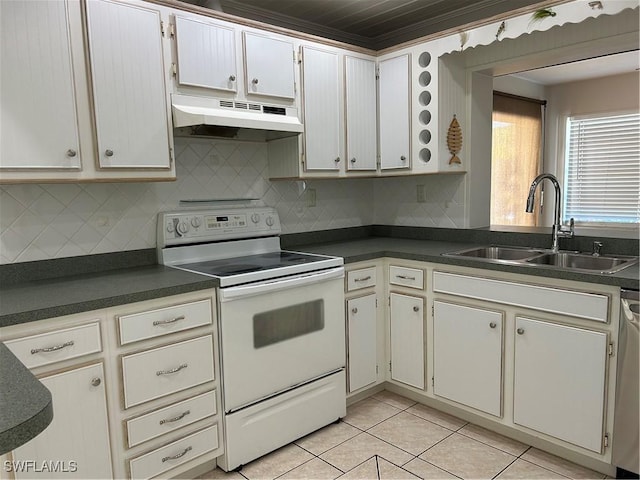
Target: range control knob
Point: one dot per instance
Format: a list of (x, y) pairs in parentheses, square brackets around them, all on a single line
[(196, 222), (255, 218), (183, 227), (269, 221), (170, 227)]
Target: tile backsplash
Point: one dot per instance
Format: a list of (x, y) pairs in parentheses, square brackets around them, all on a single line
[(44, 221)]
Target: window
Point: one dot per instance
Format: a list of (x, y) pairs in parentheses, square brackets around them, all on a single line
[(602, 169), (517, 137)]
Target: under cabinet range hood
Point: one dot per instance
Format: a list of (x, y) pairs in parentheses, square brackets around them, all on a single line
[(194, 115)]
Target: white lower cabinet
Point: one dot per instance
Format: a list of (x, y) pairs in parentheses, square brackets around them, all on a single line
[(170, 392), (559, 381), (362, 342), (407, 339), (467, 356), (78, 436)]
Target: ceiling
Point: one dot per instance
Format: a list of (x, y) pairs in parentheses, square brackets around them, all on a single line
[(374, 24), (585, 69)]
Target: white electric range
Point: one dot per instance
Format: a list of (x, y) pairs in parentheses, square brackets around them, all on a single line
[(281, 324)]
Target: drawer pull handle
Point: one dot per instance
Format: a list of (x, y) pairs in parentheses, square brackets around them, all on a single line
[(354, 310), (404, 277), (165, 322), (416, 309), (175, 419), (173, 370), (52, 349), (363, 279), (520, 331), (96, 381), (177, 455), (493, 325)]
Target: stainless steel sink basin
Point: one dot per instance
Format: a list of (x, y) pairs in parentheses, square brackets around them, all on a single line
[(497, 253), (538, 257), (577, 261)]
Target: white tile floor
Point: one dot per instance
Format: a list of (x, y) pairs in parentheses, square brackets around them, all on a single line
[(391, 437)]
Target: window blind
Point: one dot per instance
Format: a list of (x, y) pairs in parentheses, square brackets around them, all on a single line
[(602, 169)]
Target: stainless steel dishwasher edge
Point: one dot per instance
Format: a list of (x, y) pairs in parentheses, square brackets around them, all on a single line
[(625, 453)]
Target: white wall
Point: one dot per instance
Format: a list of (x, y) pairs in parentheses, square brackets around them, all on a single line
[(62, 220)]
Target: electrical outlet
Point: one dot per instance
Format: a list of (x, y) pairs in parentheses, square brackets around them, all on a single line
[(310, 197), (421, 194)]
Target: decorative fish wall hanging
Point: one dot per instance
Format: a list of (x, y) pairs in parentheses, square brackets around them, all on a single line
[(454, 140)]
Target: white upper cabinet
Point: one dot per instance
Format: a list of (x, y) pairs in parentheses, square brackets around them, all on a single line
[(269, 66), (360, 112), (39, 126), (206, 55), (321, 100), (394, 101), (126, 57)]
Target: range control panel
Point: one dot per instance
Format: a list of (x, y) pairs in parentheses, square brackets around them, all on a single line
[(182, 227)]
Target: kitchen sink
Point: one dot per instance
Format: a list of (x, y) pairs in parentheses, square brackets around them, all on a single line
[(538, 257), (578, 261), (497, 253)]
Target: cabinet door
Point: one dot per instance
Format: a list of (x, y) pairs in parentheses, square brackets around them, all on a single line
[(467, 356), (268, 66), (321, 109), (393, 86), (559, 381), (125, 47), (361, 115), (38, 106), (361, 354), (79, 431), (407, 339), (206, 55)]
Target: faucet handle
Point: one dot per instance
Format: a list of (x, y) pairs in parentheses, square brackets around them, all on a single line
[(567, 232), (596, 248)]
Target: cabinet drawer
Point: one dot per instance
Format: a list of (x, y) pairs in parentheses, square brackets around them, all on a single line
[(174, 454), (168, 419), (51, 347), (154, 323), (361, 278), (591, 306), (407, 277), (161, 371)]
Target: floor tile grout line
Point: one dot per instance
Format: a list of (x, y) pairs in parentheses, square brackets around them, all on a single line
[(506, 466), (433, 465), (492, 446)]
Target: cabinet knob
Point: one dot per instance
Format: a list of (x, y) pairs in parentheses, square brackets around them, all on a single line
[(354, 310), (416, 308), (71, 153), (403, 158), (108, 153), (232, 78), (492, 325), (254, 81), (337, 160), (96, 381), (353, 160), (520, 331)]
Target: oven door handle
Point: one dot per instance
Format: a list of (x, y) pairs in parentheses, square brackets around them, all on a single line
[(234, 293)]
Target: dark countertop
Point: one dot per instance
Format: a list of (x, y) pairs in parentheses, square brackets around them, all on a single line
[(431, 251), (29, 301), (25, 403), (25, 299)]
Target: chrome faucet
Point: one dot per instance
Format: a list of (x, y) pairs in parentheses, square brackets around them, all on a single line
[(558, 230)]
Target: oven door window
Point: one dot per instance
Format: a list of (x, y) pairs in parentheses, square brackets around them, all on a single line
[(287, 323)]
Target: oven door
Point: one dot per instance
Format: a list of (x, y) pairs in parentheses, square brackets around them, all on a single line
[(280, 333)]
